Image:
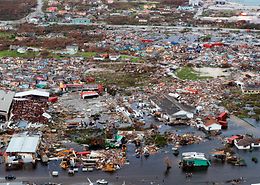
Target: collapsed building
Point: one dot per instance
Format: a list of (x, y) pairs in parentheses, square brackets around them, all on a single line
[(21, 150), (6, 100), (170, 109)]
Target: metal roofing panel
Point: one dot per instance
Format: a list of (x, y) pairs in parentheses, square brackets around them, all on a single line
[(23, 144), (32, 92), (6, 100)]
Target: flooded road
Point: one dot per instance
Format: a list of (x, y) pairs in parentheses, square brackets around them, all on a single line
[(153, 169)]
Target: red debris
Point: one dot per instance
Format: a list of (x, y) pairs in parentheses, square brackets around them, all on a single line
[(53, 99)]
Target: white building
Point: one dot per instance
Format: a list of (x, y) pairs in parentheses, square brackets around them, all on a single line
[(22, 149), (170, 109), (210, 125), (194, 2), (6, 99), (220, 2), (247, 143)]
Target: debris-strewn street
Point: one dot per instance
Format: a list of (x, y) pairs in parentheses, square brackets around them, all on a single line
[(122, 92)]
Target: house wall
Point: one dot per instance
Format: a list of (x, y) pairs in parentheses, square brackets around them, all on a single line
[(255, 145), (4, 115), (213, 127), (245, 91), (242, 147), (157, 108)]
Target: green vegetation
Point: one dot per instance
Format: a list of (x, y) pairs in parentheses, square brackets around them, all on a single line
[(44, 54), (9, 53), (222, 13), (206, 38), (238, 101), (30, 54), (87, 136), (131, 58), (79, 54), (6, 35), (118, 74), (121, 79), (187, 73), (160, 141), (86, 54), (157, 139), (125, 56), (48, 54), (135, 59)]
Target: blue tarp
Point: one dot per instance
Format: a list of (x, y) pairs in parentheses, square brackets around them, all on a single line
[(174, 43)]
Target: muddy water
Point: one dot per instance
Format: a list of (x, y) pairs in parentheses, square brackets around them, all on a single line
[(152, 170)]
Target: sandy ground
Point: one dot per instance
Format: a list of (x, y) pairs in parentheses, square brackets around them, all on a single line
[(213, 72)]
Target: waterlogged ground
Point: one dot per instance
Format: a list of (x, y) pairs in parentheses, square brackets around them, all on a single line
[(153, 170)]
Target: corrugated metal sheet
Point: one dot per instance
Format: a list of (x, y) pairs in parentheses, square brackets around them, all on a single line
[(32, 93), (23, 144), (6, 101)]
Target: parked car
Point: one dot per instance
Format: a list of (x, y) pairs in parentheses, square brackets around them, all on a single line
[(55, 173), (10, 177)]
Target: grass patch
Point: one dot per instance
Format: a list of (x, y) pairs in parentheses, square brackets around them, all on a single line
[(157, 139), (131, 58), (135, 59), (222, 13), (160, 141), (125, 56), (15, 54), (86, 54), (237, 102), (92, 137), (113, 75), (28, 54), (123, 80), (187, 73), (6, 35)]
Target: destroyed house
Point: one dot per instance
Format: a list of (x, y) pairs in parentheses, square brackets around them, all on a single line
[(6, 100), (251, 89), (22, 149), (211, 124), (83, 87), (247, 142), (88, 94), (33, 94), (171, 109)]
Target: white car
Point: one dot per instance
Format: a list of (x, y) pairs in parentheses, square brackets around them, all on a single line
[(55, 173), (102, 181)]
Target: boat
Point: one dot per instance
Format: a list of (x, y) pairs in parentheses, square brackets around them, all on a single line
[(102, 181), (192, 160), (55, 173), (175, 151), (146, 153)]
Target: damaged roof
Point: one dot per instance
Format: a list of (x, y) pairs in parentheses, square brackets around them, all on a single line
[(6, 100), (23, 144), (170, 105)]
